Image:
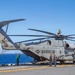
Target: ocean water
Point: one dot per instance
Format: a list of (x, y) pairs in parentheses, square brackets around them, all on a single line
[(11, 58)]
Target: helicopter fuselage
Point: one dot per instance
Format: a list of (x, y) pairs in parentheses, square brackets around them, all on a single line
[(43, 49)]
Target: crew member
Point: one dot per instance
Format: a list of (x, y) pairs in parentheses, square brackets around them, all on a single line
[(17, 59), (59, 32), (50, 58), (53, 58)]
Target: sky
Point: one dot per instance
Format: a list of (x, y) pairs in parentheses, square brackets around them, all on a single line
[(48, 15)]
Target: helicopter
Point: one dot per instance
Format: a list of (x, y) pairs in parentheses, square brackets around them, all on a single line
[(40, 48)]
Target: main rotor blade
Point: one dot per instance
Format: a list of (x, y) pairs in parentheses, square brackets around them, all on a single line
[(3, 23), (71, 35), (70, 40), (34, 36), (42, 31), (32, 40)]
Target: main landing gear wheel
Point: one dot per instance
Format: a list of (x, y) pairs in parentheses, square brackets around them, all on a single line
[(61, 62)]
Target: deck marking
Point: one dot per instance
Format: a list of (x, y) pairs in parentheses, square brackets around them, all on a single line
[(33, 68)]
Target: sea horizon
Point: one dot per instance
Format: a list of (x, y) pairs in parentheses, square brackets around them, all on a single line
[(8, 58)]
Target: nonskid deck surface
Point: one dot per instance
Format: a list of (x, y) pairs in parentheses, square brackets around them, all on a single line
[(31, 67), (25, 69)]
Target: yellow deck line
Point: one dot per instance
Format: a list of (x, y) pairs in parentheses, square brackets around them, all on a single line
[(33, 68)]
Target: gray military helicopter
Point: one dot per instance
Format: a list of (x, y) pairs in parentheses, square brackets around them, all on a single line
[(40, 48)]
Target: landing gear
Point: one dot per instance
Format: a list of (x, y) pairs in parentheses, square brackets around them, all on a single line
[(73, 62), (61, 62), (41, 58)]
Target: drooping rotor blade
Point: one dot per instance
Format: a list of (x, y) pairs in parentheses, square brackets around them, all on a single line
[(71, 35), (70, 40), (3, 23), (35, 36), (42, 31), (32, 40)]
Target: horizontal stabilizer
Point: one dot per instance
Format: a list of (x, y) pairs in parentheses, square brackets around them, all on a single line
[(3, 23)]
